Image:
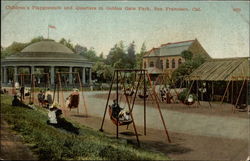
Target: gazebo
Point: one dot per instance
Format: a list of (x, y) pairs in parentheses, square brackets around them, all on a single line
[(51, 57)]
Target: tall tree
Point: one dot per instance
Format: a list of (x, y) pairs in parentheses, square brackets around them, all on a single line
[(131, 55), (139, 56), (117, 55), (67, 43), (80, 49)]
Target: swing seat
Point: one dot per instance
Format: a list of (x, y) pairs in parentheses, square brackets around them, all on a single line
[(119, 122), (142, 96), (74, 101), (129, 92), (188, 103), (242, 108)]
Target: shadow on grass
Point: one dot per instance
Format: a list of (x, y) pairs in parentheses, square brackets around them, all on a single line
[(166, 148), (128, 133)]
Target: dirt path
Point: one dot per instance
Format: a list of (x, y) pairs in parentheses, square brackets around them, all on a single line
[(194, 136), (12, 145), (183, 146), (177, 121)]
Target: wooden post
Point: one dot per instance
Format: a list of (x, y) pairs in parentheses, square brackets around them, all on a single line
[(239, 95), (81, 88), (225, 92), (105, 111), (158, 106), (189, 91), (144, 100), (212, 97), (232, 92), (117, 98)]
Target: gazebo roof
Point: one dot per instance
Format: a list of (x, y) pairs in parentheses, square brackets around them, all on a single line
[(46, 46), (46, 52)]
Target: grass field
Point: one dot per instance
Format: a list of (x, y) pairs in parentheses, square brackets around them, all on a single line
[(51, 143)]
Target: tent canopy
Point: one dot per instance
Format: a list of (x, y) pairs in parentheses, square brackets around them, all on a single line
[(223, 70)]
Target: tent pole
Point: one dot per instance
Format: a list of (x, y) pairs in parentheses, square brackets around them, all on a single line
[(232, 92), (225, 92), (239, 95), (212, 91), (189, 91)]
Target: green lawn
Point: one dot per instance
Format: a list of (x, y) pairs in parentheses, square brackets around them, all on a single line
[(56, 144)]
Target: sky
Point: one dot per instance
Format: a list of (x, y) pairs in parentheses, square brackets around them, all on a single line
[(222, 28)]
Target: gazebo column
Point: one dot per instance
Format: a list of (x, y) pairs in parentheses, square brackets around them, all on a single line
[(70, 75), (52, 74), (32, 71), (5, 75), (90, 79), (83, 76), (2, 79), (15, 74)]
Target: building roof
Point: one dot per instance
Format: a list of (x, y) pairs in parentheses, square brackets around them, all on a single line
[(223, 70), (47, 52), (170, 49), (47, 46)]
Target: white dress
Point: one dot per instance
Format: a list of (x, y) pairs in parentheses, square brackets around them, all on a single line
[(52, 117)]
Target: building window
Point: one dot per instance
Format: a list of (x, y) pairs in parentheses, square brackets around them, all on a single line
[(173, 63), (151, 64), (145, 65), (179, 62), (161, 64), (167, 63)]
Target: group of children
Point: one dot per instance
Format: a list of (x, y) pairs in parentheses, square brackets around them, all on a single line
[(45, 98), (166, 95), (54, 112)]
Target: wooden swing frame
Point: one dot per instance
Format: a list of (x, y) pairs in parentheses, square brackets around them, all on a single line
[(58, 89), (32, 83), (115, 79)]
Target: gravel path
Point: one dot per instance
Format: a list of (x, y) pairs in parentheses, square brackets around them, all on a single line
[(188, 123)]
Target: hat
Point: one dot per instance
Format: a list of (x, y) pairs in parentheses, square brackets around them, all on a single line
[(76, 90), (54, 105)]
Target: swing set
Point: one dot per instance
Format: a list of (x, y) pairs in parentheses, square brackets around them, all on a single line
[(31, 79), (73, 100), (120, 82)]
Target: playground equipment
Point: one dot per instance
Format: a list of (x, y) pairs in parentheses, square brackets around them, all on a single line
[(30, 81), (120, 81), (165, 85), (198, 91), (74, 99)]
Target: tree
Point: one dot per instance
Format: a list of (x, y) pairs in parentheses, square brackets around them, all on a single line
[(187, 55), (188, 67), (14, 48), (139, 56), (117, 55), (103, 71), (36, 39), (80, 49), (131, 55), (67, 43)]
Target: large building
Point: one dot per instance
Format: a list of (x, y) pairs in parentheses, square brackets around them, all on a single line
[(47, 56), (167, 57)]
